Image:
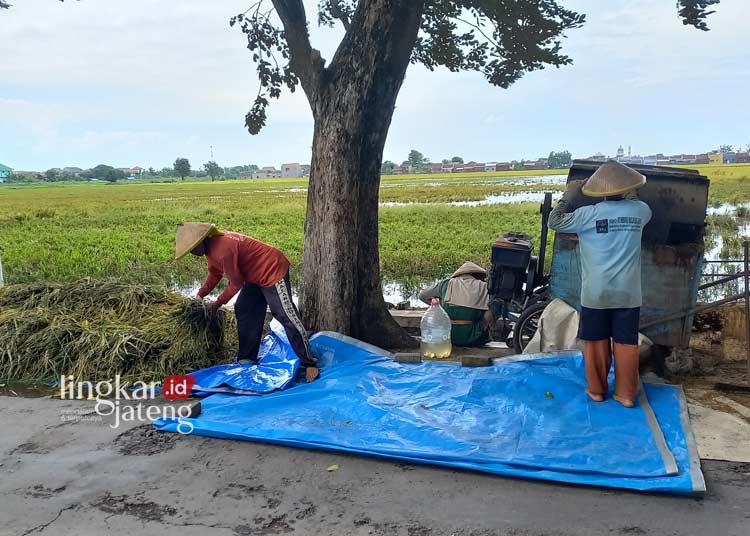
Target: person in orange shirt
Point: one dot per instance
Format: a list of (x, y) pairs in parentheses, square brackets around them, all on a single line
[(260, 273)]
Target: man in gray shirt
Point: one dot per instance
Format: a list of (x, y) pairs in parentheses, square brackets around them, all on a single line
[(609, 234)]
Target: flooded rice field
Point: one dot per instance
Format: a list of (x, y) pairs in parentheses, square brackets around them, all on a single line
[(728, 225)]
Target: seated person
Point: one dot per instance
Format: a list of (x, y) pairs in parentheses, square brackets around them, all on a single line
[(464, 298)]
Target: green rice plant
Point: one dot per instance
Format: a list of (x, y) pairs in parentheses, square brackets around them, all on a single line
[(126, 231)]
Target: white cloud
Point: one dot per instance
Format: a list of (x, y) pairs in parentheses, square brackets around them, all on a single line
[(144, 80)]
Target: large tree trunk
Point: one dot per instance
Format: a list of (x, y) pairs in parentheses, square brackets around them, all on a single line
[(341, 276)]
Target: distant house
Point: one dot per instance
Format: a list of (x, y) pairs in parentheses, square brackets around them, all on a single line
[(538, 164), (5, 173), (132, 172), (474, 167), (503, 166), (490, 166), (436, 167), (730, 158), (715, 158), (291, 170), (267, 172), (404, 169), (742, 158)]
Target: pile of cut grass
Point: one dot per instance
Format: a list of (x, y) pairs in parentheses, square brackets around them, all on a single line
[(96, 329)]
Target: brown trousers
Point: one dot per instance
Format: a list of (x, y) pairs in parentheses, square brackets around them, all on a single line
[(598, 358)]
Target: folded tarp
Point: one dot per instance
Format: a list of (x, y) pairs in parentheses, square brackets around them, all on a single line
[(276, 367), (526, 417)]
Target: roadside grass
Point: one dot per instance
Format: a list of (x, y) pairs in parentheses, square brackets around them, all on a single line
[(62, 232)]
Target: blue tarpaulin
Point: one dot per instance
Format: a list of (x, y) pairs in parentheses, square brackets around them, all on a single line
[(523, 416), (276, 367)]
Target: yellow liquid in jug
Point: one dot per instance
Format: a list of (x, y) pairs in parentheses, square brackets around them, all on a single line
[(435, 350)]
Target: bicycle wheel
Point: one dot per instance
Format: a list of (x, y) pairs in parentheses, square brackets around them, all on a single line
[(526, 326)]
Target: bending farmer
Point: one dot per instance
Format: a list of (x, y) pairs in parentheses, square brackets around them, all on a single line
[(609, 235), (260, 273), (464, 298)]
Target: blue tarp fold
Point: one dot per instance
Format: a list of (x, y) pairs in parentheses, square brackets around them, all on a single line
[(276, 368), (527, 418)]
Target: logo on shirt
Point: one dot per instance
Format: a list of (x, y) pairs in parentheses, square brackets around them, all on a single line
[(602, 226)]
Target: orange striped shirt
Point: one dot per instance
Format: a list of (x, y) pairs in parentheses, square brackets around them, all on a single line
[(241, 259)]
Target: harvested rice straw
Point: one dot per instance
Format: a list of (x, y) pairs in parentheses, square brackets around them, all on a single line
[(95, 329)]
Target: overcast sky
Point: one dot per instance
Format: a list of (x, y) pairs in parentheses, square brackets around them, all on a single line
[(141, 82)]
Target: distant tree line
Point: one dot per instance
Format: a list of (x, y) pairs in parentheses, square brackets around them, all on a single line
[(103, 172), (419, 163)]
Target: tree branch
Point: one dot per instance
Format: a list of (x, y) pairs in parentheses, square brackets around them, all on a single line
[(338, 13), (305, 61), (695, 12)]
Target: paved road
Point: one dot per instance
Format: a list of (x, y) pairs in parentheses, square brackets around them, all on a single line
[(86, 478)]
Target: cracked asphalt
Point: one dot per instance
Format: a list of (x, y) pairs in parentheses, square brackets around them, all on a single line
[(83, 477)]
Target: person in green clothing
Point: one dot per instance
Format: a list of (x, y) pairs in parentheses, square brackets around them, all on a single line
[(464, 297)]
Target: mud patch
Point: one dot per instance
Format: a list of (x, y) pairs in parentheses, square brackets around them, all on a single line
[(631, 530), (29, 447), (143, 510), (361, 521), (237, 491), (731, 474), (145, 441), (272, 525), (309, 511), (41, 492)]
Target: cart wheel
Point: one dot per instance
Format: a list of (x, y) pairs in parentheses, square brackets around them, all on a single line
[(526, 326)]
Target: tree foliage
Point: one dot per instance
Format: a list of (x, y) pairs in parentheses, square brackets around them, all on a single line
[(695, 12), (213, 169), (502, 39), (560, 159), (114, 175), (387, 167), (418, 161), (182, 167)]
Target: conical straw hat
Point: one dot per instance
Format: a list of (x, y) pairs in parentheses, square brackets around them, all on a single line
[(190, 234), (469, 268), (613, 178)]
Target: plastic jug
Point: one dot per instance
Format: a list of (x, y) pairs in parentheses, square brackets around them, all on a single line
[(436, 332)]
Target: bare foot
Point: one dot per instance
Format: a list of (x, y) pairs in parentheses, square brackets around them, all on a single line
[(311, 374), (594, 396), (625, 402)]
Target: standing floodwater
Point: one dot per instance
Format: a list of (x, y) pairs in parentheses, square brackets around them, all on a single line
[(436, 332)]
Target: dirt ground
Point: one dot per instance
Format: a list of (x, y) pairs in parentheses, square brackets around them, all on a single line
[(83, 477)]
